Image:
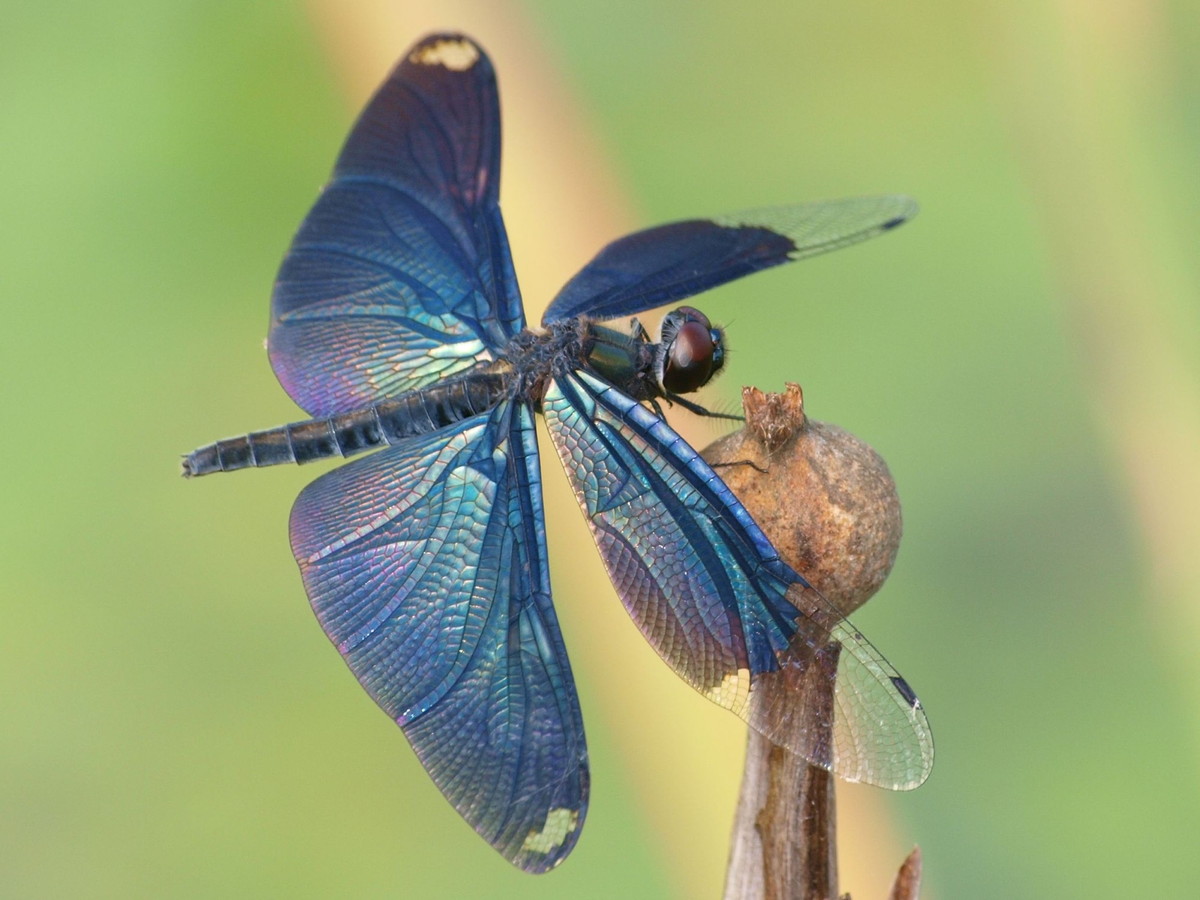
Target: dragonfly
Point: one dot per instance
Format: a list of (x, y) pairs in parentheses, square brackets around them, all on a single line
[(397, 325)]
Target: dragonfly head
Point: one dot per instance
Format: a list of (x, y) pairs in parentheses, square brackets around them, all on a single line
[(690, 351)]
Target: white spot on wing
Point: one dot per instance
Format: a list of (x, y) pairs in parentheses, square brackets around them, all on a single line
[(455, 54), (560, 822), (733, 691)]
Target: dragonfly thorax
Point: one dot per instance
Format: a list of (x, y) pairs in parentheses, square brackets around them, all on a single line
[(628, 360), (534, 356), (687, 354)]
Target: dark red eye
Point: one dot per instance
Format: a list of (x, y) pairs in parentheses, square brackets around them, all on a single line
[(694, 352)]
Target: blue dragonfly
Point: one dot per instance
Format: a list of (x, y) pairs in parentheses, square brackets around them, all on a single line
[(397, 324)]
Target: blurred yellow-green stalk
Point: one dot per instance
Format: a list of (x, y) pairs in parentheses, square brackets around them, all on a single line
[(1026, 355)]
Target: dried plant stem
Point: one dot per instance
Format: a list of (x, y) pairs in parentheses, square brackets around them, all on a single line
[(784, 843), (908, 879)]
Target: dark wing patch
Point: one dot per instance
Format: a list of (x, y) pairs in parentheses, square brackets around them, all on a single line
[(401, 274), (662, 265)]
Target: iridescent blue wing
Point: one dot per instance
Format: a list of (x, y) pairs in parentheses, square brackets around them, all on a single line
[(661, 265), (401, 274), (711, 595), (426, 566)]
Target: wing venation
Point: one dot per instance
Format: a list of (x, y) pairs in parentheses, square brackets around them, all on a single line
[(401, 274), (426, 566)]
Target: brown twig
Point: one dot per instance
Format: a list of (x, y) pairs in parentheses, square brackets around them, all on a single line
[(784, 833), (908, 879)]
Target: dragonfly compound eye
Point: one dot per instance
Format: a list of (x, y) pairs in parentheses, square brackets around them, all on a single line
[(695, 350)]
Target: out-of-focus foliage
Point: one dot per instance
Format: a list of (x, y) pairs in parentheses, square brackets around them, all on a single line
[(175, 724)]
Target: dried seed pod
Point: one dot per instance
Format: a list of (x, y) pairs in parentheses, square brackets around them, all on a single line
[(824, 498)]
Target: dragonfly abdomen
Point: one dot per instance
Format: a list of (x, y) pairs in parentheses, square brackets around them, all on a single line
[(346, 434)]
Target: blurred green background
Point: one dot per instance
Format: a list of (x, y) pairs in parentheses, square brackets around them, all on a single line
[(1026, 355)]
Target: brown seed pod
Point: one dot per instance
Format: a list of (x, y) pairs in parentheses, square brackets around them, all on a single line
[(824, 498)]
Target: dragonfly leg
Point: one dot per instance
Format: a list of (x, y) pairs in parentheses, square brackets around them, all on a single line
[(702, 411), (741, 462)]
